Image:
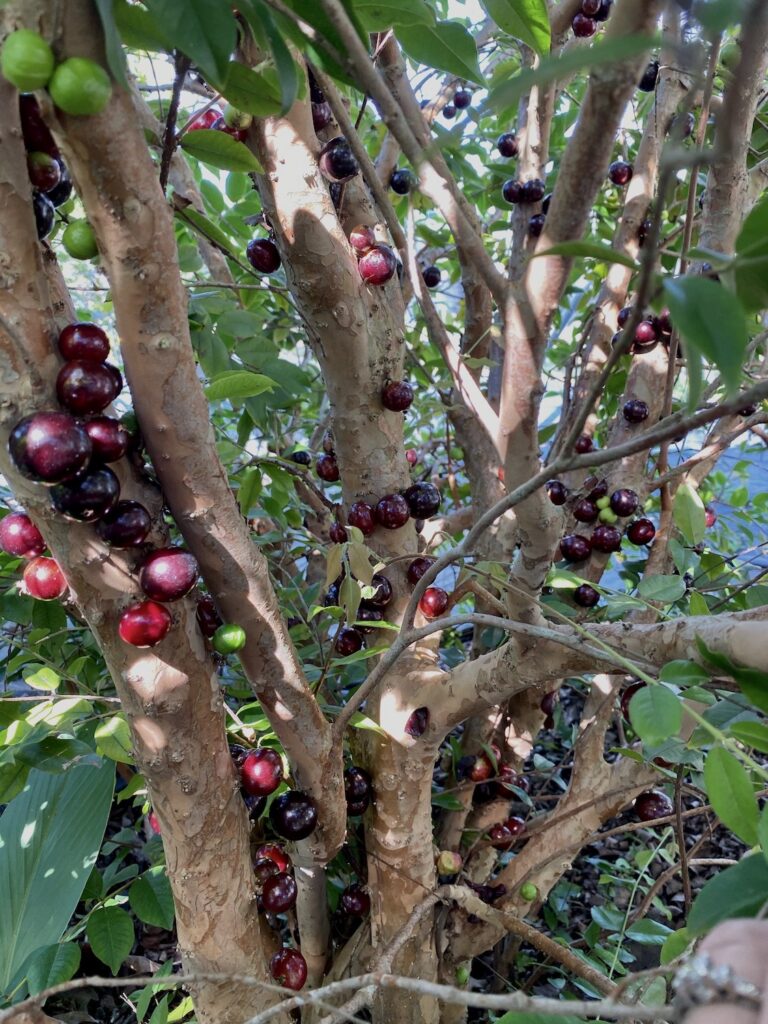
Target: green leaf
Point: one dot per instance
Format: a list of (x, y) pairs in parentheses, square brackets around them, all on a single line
[(731, 793), (151, 898), (235, 385), (313, 14), (377, 15), (50, 837), (689, 515), (144, 998), (712, 321), (361, 721), (590, 250), (648, 932), (526, 20), (447, 46), (202, 225), (656, 714), (675, 945), (561, 66), (524, 1017), (666, 589), (359, 562), (204, 30), (751, 264), (110, 933), (683, 673), (349, 599), (288, 75), (139, 29), (52, 965), (738, 891), (249, 489), (41, 677), (751, 734), (113, 739), (219, 150), (112, 44), (697, 604), (254, 92), (762, 831)]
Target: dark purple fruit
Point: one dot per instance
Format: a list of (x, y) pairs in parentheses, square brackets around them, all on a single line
[(168, 574), (45, 214), (536, 225), (585, 511), (337, 161), (34, 130), (449, 111), (605, 10), (337, 533), (348, 641), (261, 771), (635, 411), (49, 447), (109, 438), (431, 276), (59, 194), (418, 723), (383, 594), (620, 172), (423, 500), (293, 815), (557, 492), (533, 191), (507, 145), (279, 893), (86, 388), (367, 614), (512, 190), (462, 99), (417, 568), (84, 341), (624, 502), (275, 853), (645, 333), (397, 395), (642, 531), (650, 76), (255, 806), (44, 171), (401, 181), (500, 836), (208, 618), (586, 596), (378, 265), (575, 548), (322, 115), (606, 539), (583, 27), (289, 968), (355, 901), (651, 805), (392, 511), (301, 458), (590, 7), (623, 315), (584, 444), (627, 696), (361, 515), (357, 787), (327, 468), (87, 498), (127, 525), (263, 255)]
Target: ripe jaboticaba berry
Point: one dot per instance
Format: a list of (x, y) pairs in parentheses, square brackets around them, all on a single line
[(382, 591), (357, 790), (50, 447), (293, 815), (263, 255), (635, 411), (168, 574), (533, 191), (557, 492), (337, 161), (144, 624), (650, 76), (584, 444), (378, 265), (348, 641), (109, 438), (585, 511), (355, 901), (606, 539), (397, 395), (43, 579), (423, 499), (127, 525), (327, 468), (392, 511), (84, 341), (275, 853), (44, 171), (507, 145), (85, 387), (208, 618), (433, 603), (362, 238), (261, 771), (87, 498), (279, 893), (583, 27), (586, 596), (624, 502), (418, 723), (401, 181), (20, 537), (512, 190), (652, 805), (44, 212), (431, 276), (322, 115), (575, 548), (417, 568), (536, 225), (642, 531), (620, 172), (337, 533), (361, 515), (289, 968)]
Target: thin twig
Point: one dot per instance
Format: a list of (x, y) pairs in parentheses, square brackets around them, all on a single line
[(183, 65)]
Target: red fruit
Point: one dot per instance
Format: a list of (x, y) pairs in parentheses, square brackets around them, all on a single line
[(620, 172), (20, 537), (433, 603), (557, 492), (322, 115), (507, 144), (261, 772), (44, 171), (87, 498), (481, 768), (575, 548), (109, 438), (355, 901), (327, 468), (583, 27), (289, 968), (584, 444), (417, 568), (168, 574), (585, 511), (418, 723), (515, 825), (220, 125), (43, 579), (431, 276), (392, 511), (348, 641), (263, 255), (208, 619), (500, 837), (590, 7), (144, 624), (664, 322), (411, 456), (205, 119), (606, 539), (337, 161), (85, 387), (127, 525), (635, 411), (153, 823), (361, 515), (423, 500), (586, 596), (624, 502), (362, 238), (293, 815), (378, 265), (645, 333), (337, 533), (627, 696), (274, 853), (36, 134), (49, 447), (652, 805), (263, 870), (397, 395), (84, 341), (642, 531), (710, 517), (279, 893)]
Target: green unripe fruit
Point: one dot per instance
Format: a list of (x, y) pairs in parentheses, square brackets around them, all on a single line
[(26, 60), (80, 86), (529, 892), (237, 119), (607, 515), (228, 638), (462, 975), (79, 240), (603, 502)]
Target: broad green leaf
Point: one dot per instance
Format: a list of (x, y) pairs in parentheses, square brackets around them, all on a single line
[(359, 562), (313, 14), (349, 599), (139, 29), (254, 92), (219, 150), (447, 46), (114, 49), (753, 683), (683, 673), (144, 998), (378, 15), (260, 19), (41, 677), (110, 933), (655, 713), (762, 831), (562, 66), (751, 264), (361, 721), (249, 489), (527, 1017), (234, 385), (526, 20), (113, 739), (666, 589), (731, 793), (697, 604), (649, 932), (689, 515), (160, 1012), (738, 891), (333, 558), (675, 944), (52, 965), (151, 898), (13, 776), (50, 836), (204, 30), (590, 250), (751, 734), (202, 225), (711, 320)]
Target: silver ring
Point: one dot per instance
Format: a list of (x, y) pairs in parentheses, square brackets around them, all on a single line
[(701, 982)]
